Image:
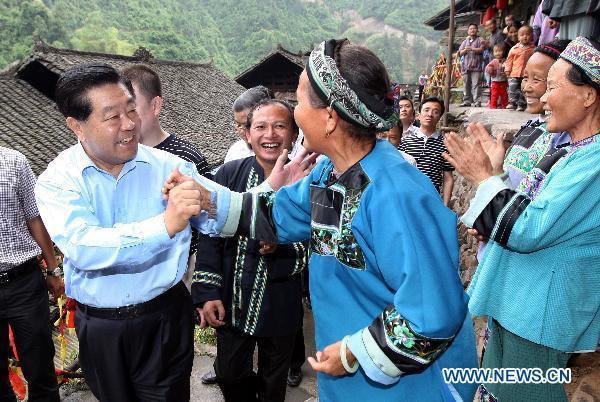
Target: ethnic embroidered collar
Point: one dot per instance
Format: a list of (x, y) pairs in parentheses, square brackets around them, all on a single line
[(332, 88)]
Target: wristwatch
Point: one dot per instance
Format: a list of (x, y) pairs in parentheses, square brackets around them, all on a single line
[(58, 272)]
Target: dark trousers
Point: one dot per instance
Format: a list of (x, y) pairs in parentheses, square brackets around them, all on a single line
[(140, 358), (299, 352), (515, 95), (25, 308), (233, 366)]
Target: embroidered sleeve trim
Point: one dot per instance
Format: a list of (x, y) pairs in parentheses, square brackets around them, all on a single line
[(408, 350), (300, 258), (207, 278)]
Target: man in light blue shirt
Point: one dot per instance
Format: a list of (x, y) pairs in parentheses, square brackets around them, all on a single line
[(125, 247)]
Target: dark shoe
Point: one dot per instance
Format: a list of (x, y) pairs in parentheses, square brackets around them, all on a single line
[(477, 104), (294, 377), (521, 109), (209, 378), (465, 104)]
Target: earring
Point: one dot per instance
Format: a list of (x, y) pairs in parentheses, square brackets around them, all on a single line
[(327, 133)]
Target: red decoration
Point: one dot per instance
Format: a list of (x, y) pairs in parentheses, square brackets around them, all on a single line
[(489, 14), (501, 4)]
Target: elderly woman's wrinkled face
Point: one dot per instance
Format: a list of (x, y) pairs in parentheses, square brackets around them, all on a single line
[(563, 100), (534, 81)]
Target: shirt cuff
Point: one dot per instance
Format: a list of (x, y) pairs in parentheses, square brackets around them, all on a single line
[(154, 230), (486, 191), (232, 218), (376, 365), (213, 222)]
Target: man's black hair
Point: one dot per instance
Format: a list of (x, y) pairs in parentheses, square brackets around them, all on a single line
[(267, 102), (73, 85), (249, 98), (146, 79)]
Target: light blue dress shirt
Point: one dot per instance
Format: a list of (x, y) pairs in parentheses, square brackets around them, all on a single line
[(112, 231)]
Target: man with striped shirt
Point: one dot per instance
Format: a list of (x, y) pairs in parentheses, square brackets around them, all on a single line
[(148, 101), (426, 145)]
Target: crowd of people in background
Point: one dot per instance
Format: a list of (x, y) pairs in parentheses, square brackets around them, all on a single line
[(498, 60), (347, 194)]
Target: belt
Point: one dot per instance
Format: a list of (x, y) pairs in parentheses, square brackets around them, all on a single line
[(135, 310), (18, 271)]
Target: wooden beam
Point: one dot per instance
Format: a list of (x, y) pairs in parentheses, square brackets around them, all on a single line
[(449, 61)]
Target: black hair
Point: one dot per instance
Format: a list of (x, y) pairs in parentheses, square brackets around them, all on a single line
[(515, 24), (73, 85), (473, 24), (433, 99), (578, 77), (249, 98), (146, 78), (553, 49), (361, 68), (272, 101)]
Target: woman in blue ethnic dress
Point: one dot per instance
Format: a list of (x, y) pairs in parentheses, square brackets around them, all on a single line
[(539, 276), (389, 308)]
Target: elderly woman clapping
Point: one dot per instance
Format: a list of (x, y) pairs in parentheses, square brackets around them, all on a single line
[(539, 277)]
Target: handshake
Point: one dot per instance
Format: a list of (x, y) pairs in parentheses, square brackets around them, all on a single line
[(186, 197)]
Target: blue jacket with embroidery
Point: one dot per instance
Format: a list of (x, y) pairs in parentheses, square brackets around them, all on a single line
[(383, 270)]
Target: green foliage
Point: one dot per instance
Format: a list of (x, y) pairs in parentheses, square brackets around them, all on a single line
[(94, 36), (233, 34), (20, 20), (205, 336)]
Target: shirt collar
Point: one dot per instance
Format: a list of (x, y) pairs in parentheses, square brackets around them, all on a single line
[(435, 135), (84, 161)]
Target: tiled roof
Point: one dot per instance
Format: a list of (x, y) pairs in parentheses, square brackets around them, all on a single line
[(197, 97), (31, 124), (296, 58)]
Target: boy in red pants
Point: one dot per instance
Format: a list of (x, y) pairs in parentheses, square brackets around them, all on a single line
[(495, 69)]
